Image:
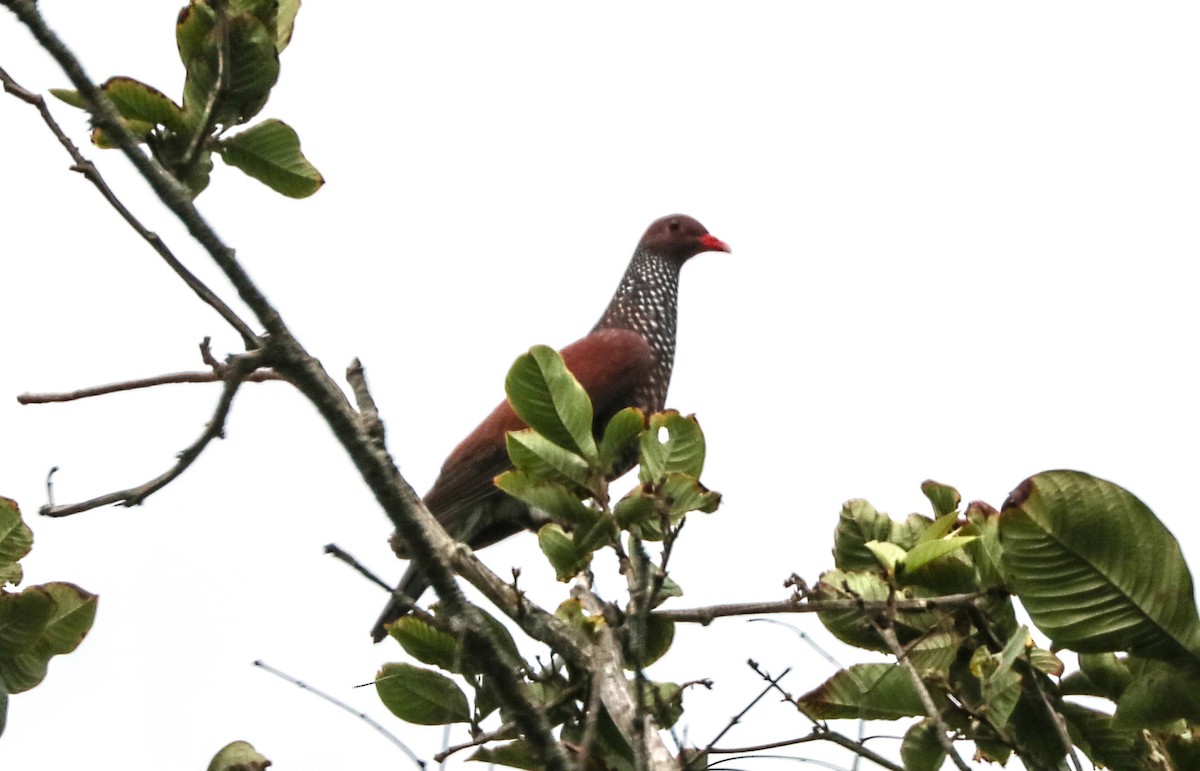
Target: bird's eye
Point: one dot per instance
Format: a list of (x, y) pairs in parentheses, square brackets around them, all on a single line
[(673, 225)]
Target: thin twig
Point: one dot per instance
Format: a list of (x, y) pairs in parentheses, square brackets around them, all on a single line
[(135, 495), (888, 634), (736, 719), (1060, 725), (797, 604), (258, 376), (337, 551), (505, 731), (360, 715), (92, 174), (817, 735), (820, 730), (368, 412)]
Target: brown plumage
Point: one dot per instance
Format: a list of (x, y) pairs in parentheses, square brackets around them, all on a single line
[(625, 361)]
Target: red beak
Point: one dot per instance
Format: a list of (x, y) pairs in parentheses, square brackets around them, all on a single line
[(714, 244)]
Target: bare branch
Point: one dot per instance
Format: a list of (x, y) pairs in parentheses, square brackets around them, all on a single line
[(733, 721), (820, 731), (215, 428), (360, 715), (258, 376), (1060, 725), (797, 604), (339, 553), (888, 634), (368, 412), (92, 174)]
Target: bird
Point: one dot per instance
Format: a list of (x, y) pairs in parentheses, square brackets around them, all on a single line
[(624, 361)]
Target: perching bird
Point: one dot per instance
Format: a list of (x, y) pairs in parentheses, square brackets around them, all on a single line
[(625, 361)]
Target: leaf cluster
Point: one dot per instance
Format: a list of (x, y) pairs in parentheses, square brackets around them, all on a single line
[(37, 623), (563, 463), (230, 53), (1097, 573)]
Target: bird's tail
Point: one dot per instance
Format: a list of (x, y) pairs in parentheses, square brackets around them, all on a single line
[(412, 584)]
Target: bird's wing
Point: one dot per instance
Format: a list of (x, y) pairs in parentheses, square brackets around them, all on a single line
[(607, 363)]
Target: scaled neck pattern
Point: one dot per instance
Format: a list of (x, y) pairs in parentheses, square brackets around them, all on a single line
[(646, 302)]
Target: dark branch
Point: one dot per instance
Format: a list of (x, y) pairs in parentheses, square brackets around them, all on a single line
[(427, 540), (92, 174), (797, 604), (258, 376), (215, 428)]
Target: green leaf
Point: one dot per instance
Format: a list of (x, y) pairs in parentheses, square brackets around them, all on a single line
[(541, 459), (983, 522), (684, 494), (927, 551), (75, 612), (660, 633), (867, 692), (887, 554), (682, 450), (1120, 749), (1000, 684), (1107, 673), (551, 497), (15, 542), (1160, 694), (70, 96), (136, 101), (252, 70), (270, 152), (39, 623), (934, 653), (238, 756), (858, 523), (940, 528), (518, 754), (1095, 569), (285, 20), (668, 589), (620, 435), (544, 394), (664, 701), (909, 532), (636, 508), (197, 176), (565, 557), (945, 499), (426, 644), (853, 627), (421, 696), (921, 749)]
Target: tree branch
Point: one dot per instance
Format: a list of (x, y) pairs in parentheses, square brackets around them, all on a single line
[(215, 428), (92, 174), (257, 376), (427, 540), (820, 730), (798, 604), (888, 634)]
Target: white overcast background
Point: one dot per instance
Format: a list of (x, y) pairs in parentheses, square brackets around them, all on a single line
[(964, 248)]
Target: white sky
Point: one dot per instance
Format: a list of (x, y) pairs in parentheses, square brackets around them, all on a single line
[(964, 249)]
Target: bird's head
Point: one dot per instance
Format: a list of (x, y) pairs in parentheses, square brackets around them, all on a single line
[(680, 237)]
